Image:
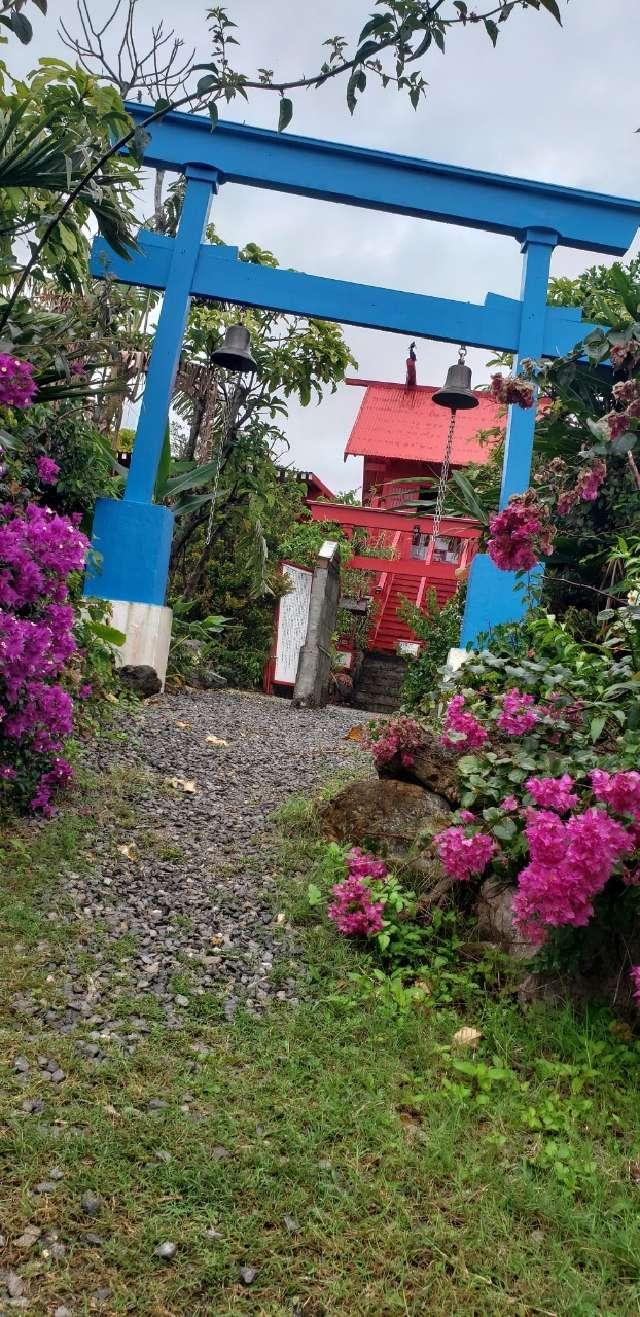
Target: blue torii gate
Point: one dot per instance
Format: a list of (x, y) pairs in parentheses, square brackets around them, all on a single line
[(133, 536)]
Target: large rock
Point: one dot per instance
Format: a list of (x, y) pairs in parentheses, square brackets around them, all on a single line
[(434, 769), (140, 678), (495, 920), (384, 814)]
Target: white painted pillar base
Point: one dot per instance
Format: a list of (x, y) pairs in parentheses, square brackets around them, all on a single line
[(147, 628)]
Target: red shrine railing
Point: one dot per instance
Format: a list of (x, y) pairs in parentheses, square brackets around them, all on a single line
[(417, 564)]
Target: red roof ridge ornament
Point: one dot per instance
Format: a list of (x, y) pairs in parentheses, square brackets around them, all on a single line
[(457, 393)]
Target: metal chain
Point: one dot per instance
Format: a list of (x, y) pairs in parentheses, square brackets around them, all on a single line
[(443, 481), (216, 475)]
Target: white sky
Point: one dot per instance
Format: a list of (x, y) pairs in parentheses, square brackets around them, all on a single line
[(558, 104)]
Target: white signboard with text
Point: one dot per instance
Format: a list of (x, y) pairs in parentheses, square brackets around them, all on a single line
[(293, 618)]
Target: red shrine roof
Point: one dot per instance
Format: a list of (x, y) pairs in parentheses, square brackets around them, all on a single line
[(394, 421)]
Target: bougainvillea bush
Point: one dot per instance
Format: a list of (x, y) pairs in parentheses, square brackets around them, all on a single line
[(39, 550)]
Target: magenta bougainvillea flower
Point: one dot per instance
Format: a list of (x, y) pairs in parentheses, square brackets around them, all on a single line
[(17, 385), (519, 535), (570, 863), (464, 857), (462, 731), (553, 792), (518, 714), (634, 975), (48, 470), (620, 791), (511, 389), (400, 737), (38, 551), (354, 910)]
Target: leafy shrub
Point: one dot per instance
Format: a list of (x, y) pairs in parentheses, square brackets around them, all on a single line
[(439, 631)]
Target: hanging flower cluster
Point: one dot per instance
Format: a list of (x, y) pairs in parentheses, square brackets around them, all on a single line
[(518, 714), (625, 355), (354, 910), (401, 738), (38, 551), (634, 975), (17, 385), (586, 487), (519, 535), (464, 857), (511, 389), (462, 731)]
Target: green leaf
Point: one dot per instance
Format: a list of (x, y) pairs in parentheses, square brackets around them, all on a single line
[(213, 114), (491, 30), (41, 5), (286, 113), (624, 443), (352, 87), (597, 727), (22, 28), (374, 24), (314, 895), (504, 831), (207, 84), (164, 467), (552, 7), (106, 633), (161, 104)]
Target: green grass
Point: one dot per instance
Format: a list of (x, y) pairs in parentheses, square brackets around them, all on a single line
[(423, 1178)]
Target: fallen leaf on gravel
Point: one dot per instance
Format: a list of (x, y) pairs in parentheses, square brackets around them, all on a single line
[(129, 851), (186, 726), (355, 733), (466, 1037), (183, 784), (215, 740)]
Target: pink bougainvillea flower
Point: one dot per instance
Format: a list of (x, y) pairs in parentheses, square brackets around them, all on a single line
[(509, 804), (570, 864), (511, 389), (553, 792), (617, 423), (354, 911), (362, 865), (519, 535), (462, 731), (634, 975), (400, 737), (17, 385), (518, 714), (463, 857), (48, 470), (620, 791)]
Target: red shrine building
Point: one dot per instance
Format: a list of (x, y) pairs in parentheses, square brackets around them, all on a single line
[(401, 435)]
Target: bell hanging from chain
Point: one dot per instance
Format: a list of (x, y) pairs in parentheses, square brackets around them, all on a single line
[(234, 352), (457, 394)]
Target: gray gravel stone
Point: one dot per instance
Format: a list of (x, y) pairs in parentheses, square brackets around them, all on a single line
[(248, 1275), (91, 1203), (200, 899), (166, 1251)]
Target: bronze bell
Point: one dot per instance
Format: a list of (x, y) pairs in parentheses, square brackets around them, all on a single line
[(234, 352), (457, 394)]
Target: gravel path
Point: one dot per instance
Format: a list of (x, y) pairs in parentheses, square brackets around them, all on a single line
[(180, 902)]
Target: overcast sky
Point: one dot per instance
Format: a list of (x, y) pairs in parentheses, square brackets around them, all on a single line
[(557, 104)]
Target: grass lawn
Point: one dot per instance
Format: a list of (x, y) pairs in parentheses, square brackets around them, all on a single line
[(345, 1150)]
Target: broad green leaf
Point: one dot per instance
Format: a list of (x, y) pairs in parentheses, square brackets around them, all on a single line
[(552, 7), (491, 30), (107, 633), (286, 113), (314, 895), (597, 727), (213, 114)]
